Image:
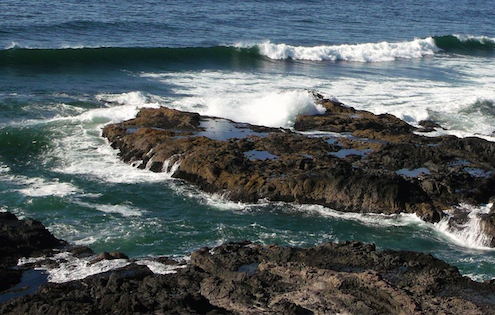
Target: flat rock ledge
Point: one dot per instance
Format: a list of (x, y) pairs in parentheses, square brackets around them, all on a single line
[(345, 159), (248, 278)]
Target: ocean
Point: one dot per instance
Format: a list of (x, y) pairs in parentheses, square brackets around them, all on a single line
[(67, 68)]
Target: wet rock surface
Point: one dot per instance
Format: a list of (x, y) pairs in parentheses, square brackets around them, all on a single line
[(345, 159), (21, 238), (247, 278)]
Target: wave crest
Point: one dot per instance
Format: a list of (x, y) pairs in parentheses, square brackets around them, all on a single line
[(368, 52), (17, 56), (466, 45)]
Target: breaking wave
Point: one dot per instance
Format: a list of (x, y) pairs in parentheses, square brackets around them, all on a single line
[(80, 58), (368, 52)]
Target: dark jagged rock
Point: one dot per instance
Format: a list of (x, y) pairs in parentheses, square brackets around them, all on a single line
[(109, 256), (429, 126), (340, 118), (246, 278), (377, 163), (21, 238), (274, 164)]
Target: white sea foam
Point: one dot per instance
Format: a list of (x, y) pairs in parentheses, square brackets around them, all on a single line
[(455, 107), (171, 165), (123, 209), (86, 241), (73, 268), (4, 168), (160, 268), (69, 268), (120, 107), (273, 109), (368, 52), (372, 219), (469, 234), (276, 99), (262, 99), (80, 149), (14, 45), (277, 109), (94, 228), (38, 187)]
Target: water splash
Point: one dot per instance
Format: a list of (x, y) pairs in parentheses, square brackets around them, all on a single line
[(469, 232)]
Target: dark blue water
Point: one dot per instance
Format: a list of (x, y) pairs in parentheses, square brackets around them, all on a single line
[(210, 23), (68, 68)]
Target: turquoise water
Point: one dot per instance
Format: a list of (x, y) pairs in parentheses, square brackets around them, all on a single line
[(67, 69)]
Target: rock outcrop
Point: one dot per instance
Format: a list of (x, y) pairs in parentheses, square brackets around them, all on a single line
[(21, 238), (247, 278), (345, 159)]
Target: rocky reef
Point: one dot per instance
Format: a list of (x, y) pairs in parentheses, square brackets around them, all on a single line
[(346, 159), (248, 278)]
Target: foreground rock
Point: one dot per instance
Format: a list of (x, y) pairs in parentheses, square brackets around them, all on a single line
[(21, 238), (345, 159), (245, 278)]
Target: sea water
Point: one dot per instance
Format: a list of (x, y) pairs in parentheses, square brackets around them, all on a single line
[(68, 68)]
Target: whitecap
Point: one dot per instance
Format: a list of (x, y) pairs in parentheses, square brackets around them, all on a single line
[(367, 52), (480, 39)]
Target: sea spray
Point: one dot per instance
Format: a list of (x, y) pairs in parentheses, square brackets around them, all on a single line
[(268, 100), (468, 233)]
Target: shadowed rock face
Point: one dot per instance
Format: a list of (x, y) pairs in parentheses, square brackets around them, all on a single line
[(246, 278), (345, 159), (21, 238)]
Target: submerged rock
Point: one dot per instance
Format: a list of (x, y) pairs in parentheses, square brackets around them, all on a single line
[(345, 159)]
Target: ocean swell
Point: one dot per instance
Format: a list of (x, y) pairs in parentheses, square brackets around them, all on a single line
[(17, 56), (466, 45), (383, 51)]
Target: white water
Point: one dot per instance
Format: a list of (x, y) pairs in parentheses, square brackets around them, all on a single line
[(79, 148), (125, 209), (159, 268), (371, 219), (459, 104), (369, 52), (68, 268), (38, 187), (268, 100), (468, 234)]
